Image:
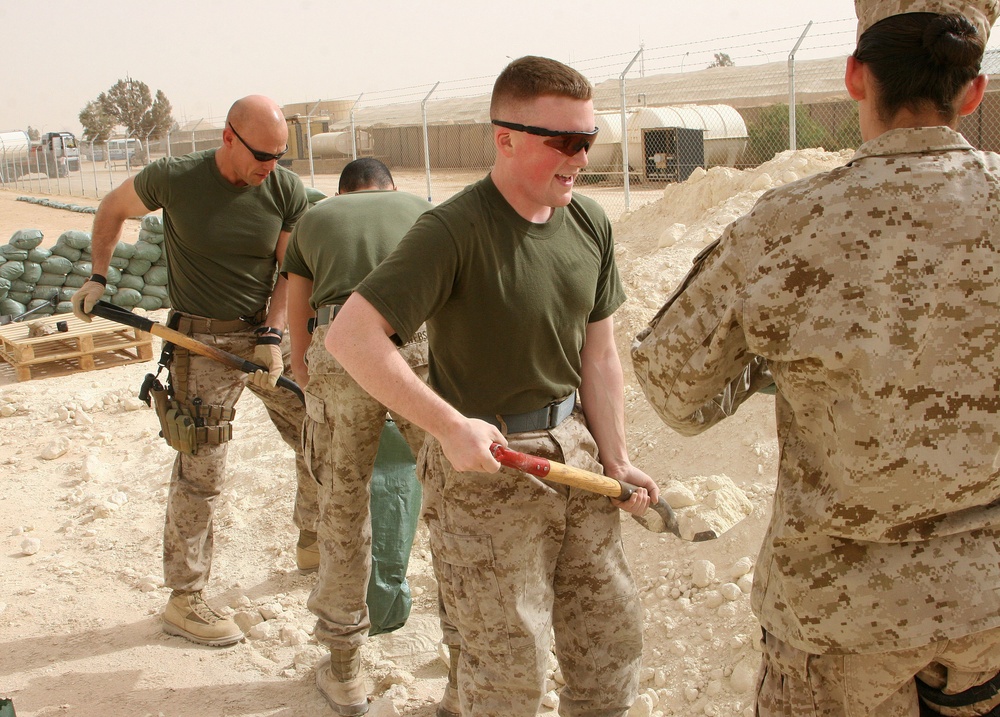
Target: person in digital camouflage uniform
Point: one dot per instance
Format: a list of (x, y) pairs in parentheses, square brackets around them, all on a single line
[(227, 216), (333, 247), (516, 279), (870, 295)]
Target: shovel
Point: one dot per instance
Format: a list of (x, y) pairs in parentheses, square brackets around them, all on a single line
[(126, 317), (4, 320), (659, 518)]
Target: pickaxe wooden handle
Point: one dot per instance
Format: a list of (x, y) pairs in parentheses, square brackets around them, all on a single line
[(659, 518), (126, 317)]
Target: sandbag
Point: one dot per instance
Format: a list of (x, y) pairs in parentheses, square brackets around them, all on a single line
[(152, 223), (32, 270), (109, 291), (160, 292), (75, 238), (157, 276), (150, 303), (137, 267), (75, 281), (126, 297), (11, 270), (21, 297), (125, 251), (130, 281), (113, 276), (10, 307), (51, 279), (150, 237), (66, 293), (395, 510), (83, 268), (64, 307), (22, 286), (67, 251), (119, 262), (12, 253), (45, 292), (37, 303), (57, 265), (147, 251), (26, 238), (39, 254)]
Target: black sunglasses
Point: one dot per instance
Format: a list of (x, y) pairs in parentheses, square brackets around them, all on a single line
[(257, 154), (569, 143)]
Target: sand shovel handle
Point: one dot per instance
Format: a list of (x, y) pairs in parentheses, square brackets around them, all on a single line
[(126, 317), (561, 473)]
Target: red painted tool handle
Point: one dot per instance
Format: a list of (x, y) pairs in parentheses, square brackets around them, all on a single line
[(521, 461)]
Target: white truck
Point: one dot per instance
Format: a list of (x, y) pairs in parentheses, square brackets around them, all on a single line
[(55, 154)]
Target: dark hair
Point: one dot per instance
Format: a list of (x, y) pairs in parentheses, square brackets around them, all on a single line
[(364, 173), (920, 59), (530, 77)]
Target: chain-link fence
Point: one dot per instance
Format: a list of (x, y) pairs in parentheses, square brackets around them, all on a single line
[(663, 112)]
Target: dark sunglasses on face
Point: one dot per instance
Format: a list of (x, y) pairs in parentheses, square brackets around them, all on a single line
[(569, 143), (257, 154)]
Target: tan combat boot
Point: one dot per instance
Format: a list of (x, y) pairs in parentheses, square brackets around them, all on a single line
[(307, 552), (188, 615), (338, 677), (449, 706)]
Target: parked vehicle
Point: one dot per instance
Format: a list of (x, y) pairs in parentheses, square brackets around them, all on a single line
[(56, 154), (126, 150)]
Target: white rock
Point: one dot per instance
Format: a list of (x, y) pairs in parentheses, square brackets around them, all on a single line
[(134, 404), (731, 591), (271, 610), (702, 573), (118, 498), (678, 495), (30, 546), (678, 648), (671, 235), (7, 410), (55, 449), (82, 418), (642, 707), (149, 583), (262, 631), (713, 598), (383, 707), (744, 677), (550, 700), (691, 693), (746, 583), (741, 567), (396, 676)]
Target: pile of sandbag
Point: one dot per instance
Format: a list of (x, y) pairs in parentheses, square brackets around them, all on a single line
[(31, 276)]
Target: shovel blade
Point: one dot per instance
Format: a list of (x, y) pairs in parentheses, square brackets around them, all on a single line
[(660, 518)]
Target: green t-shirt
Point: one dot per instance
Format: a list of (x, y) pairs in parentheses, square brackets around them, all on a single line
[(220, 239), (506, 301), (341, 239)]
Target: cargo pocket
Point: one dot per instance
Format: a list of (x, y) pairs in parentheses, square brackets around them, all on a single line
[(315, 433), (614, 631), (470, 589)]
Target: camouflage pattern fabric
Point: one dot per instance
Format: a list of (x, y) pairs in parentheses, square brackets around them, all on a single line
[(340, 441), (517, 558), (872, 293), (794, 683), (197, 480), (981, 13)]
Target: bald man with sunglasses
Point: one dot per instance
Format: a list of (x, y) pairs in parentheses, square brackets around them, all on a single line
[(227, 217), (516, 279)]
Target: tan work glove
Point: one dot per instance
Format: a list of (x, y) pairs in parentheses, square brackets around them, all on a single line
[(267, 353), (86, 296)]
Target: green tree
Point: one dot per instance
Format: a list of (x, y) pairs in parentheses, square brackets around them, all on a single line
[(97, 125), (132, 107), (722, 59), (768, 133)]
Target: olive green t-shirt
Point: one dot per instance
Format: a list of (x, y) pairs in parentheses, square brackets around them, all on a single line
[(506, 301), (341, 239), (219, 239)]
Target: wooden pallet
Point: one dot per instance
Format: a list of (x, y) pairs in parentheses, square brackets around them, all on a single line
[(82, 347)]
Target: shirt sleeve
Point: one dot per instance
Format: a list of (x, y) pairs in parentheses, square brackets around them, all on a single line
[(297, 205), (151, 184), (692, 362), (294, 263)]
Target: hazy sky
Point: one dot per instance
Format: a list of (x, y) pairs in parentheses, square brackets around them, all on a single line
[(204, 54)]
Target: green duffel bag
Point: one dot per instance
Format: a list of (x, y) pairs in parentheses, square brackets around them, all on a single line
[(11, 270), (75, 238), (130, 281), (126, 297), (26, 239), (11, 307), (39, 254), (138, 267), (51, 279), (57, 265), (395, 510)]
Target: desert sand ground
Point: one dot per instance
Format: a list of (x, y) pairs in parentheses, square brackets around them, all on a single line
[(81, 511)]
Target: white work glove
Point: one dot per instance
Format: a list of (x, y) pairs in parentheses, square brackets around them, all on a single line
[(267, 353), (86, 296)]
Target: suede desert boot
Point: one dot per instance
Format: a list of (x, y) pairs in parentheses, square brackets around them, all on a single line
[(307, 552), (188, 615), (338, 677)]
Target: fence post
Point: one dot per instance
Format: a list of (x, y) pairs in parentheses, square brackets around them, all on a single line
[(354, 135), (427, 149), (193, 148), (621, 85), (93, 166), (792, 139), (168, 143), (309, 143)]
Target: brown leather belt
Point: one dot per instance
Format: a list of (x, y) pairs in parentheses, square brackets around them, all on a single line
[(191, 324)]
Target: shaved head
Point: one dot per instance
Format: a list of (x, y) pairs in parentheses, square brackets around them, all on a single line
[(255, 110)]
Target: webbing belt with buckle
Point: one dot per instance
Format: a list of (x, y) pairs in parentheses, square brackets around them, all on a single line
[(324, 315), (543, 419), (191, 324)]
